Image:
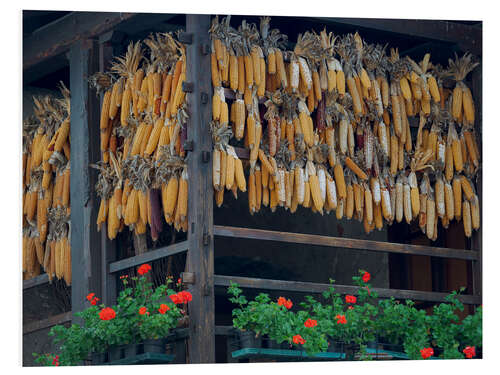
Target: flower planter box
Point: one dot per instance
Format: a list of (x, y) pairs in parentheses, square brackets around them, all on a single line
[(248, 340), (146, 352)]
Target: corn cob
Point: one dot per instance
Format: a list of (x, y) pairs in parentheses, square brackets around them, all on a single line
[(467, 221)]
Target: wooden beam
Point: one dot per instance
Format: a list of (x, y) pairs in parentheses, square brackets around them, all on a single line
[(38, 280), (85, 240), (108, 247), (477, 236), (59, 36), (350, 243), (46, 323), (306, 287), (149, 256), (200, 257), (468, 38)]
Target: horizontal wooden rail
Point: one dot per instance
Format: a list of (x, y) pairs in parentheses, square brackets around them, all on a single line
[(311, 239), (38, 280), (150, 256), (306, 287), (46, 323)]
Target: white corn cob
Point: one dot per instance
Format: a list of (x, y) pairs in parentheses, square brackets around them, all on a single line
[(375, 188), (399, 200), (350, 139), (407, 201), (343, 136), (331, 192), (305, 72), (322, 183)]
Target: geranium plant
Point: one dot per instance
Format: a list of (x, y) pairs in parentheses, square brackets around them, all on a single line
[(141, 313), (357, 320)]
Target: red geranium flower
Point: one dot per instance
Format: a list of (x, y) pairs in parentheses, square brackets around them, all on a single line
[(94, 301), (90, 296), (366, 277), (143, 310), (426, 352), (107, 313), (297, 339), (175, 299), (309, 323), (179, 281), (163, 308), (341, 319), (185, 296), (144, 269), (288, 304), (350, 299), (281, 301), (470, 351)]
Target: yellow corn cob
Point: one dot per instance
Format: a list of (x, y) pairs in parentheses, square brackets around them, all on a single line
[(449, 201), (355, 168), (183, 195), (106, 103), (340, 181), (466, 187), (145, 138), (430, 214), (356, 100), (170, 196), (233, 72), (433, 88), (468, 105), (258, 188), (377, 217), (457, 155), (154, 137), (219, 197), (475, 214), (405, 88), (316, 193), (456, 102), (467, 218), (469, 141), (239, 175), (340, 82), (230, 170)]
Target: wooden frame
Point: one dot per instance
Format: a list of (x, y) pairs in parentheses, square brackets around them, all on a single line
[(200, 242)]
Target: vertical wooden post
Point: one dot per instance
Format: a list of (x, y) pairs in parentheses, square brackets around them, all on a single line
[(477, 236), (108, 248), (85, 240), (200, 258)]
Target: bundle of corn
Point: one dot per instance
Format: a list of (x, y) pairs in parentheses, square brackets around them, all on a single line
[(144, 155), (46, 188), (327, 127)]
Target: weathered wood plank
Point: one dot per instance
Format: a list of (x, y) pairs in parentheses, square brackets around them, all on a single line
[(311, 239), (468, 38), (149, 256), (306, 287), (38, 280), (46, 323), (60, 35), (85, 240), (108, 247), (477, 236), (200, 258)]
